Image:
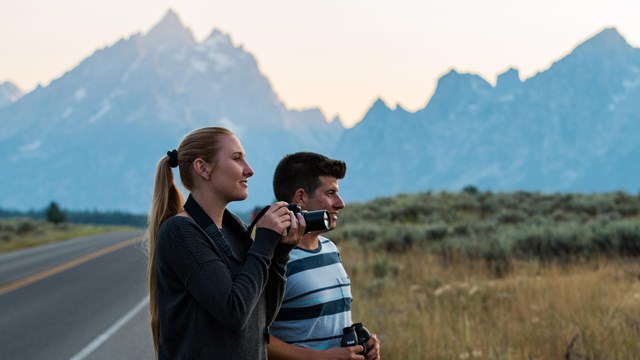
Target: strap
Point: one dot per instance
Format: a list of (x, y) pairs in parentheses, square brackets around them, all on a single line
[(255, 220), (204, 221)]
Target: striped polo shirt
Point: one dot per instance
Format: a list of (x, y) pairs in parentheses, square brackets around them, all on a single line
[(317, 299)]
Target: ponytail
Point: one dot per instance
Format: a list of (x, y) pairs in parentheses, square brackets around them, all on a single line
[(167, 201)]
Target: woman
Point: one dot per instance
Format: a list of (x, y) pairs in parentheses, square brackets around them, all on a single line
[(213, 290)]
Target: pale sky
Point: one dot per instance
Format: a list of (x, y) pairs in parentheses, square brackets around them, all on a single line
[(338, 55)]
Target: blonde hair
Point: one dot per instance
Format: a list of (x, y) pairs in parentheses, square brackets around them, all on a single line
[(167, 201)]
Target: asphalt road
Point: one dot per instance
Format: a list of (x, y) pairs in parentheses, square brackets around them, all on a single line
[(78, 299)]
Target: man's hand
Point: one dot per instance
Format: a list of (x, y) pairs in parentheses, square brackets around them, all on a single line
[(280, 350), (374, 348), (343, 353)]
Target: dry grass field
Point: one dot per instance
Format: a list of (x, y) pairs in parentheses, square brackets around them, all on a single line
[(423, 308), (22, 233)]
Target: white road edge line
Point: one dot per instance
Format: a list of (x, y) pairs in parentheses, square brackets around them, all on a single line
[(110, 331)]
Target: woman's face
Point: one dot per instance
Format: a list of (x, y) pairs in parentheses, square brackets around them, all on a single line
[(229, 178)]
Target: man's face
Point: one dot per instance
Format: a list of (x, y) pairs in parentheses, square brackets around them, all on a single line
[(326, 198)]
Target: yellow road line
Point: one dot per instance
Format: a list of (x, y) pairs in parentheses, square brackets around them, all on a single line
[(64, 266)]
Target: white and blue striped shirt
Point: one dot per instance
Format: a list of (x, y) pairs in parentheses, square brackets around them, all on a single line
[(317, 299)]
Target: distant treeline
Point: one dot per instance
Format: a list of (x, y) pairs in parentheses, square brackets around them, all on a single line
[(497, 226), (93, 217)]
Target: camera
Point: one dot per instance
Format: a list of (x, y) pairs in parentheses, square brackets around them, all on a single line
[(317, 220)]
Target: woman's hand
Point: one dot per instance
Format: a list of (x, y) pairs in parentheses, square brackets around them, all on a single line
[(282, 220), (293, 235)]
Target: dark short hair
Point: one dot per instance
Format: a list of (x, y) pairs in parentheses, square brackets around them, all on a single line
[(303, 170)]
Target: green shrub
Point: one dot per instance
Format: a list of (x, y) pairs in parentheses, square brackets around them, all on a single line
[(381, 267), (497, 226), (25, 226), (618, 237)]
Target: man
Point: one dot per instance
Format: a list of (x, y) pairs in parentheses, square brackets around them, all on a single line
[(317, 302)]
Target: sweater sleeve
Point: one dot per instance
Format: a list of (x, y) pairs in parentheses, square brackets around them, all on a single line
[(230, 299), (277, 281)]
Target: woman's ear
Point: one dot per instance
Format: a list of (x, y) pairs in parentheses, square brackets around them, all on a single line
[(202, 168)]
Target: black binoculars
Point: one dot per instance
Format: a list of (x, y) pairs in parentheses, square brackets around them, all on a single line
[(356, 334)]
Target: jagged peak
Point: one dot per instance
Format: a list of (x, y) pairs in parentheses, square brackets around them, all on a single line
[(217, 33), (606, 41), (453, 80), (217, 38), (458, 86), (609, 35), (171, 16), (400, 109), (378, 105), (9, 85), (170, 30), (170, 20), (510, 73), (453, 73), (10, 92), (510, 77), (336, 123)]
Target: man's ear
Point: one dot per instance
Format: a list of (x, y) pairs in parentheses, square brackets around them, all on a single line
[(202, 168), (300, 196)]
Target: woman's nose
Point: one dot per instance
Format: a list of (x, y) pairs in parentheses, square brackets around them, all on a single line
[(248, 171)]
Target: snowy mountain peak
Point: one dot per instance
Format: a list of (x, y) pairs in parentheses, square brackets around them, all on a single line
[(170, 20), (219, 42), (127, 103), (170, 31), (218, 37)]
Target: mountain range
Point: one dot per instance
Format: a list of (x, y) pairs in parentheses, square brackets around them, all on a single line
[(91, 138), (574, 127)]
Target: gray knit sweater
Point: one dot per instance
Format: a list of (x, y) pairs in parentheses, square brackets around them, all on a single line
[(216, 304)]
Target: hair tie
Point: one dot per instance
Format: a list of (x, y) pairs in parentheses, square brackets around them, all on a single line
[(173, 158)]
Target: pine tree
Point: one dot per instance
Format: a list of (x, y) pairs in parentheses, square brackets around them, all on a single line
[(54, 214)]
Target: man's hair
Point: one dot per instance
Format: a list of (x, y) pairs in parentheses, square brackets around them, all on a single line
[(303, 170)]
